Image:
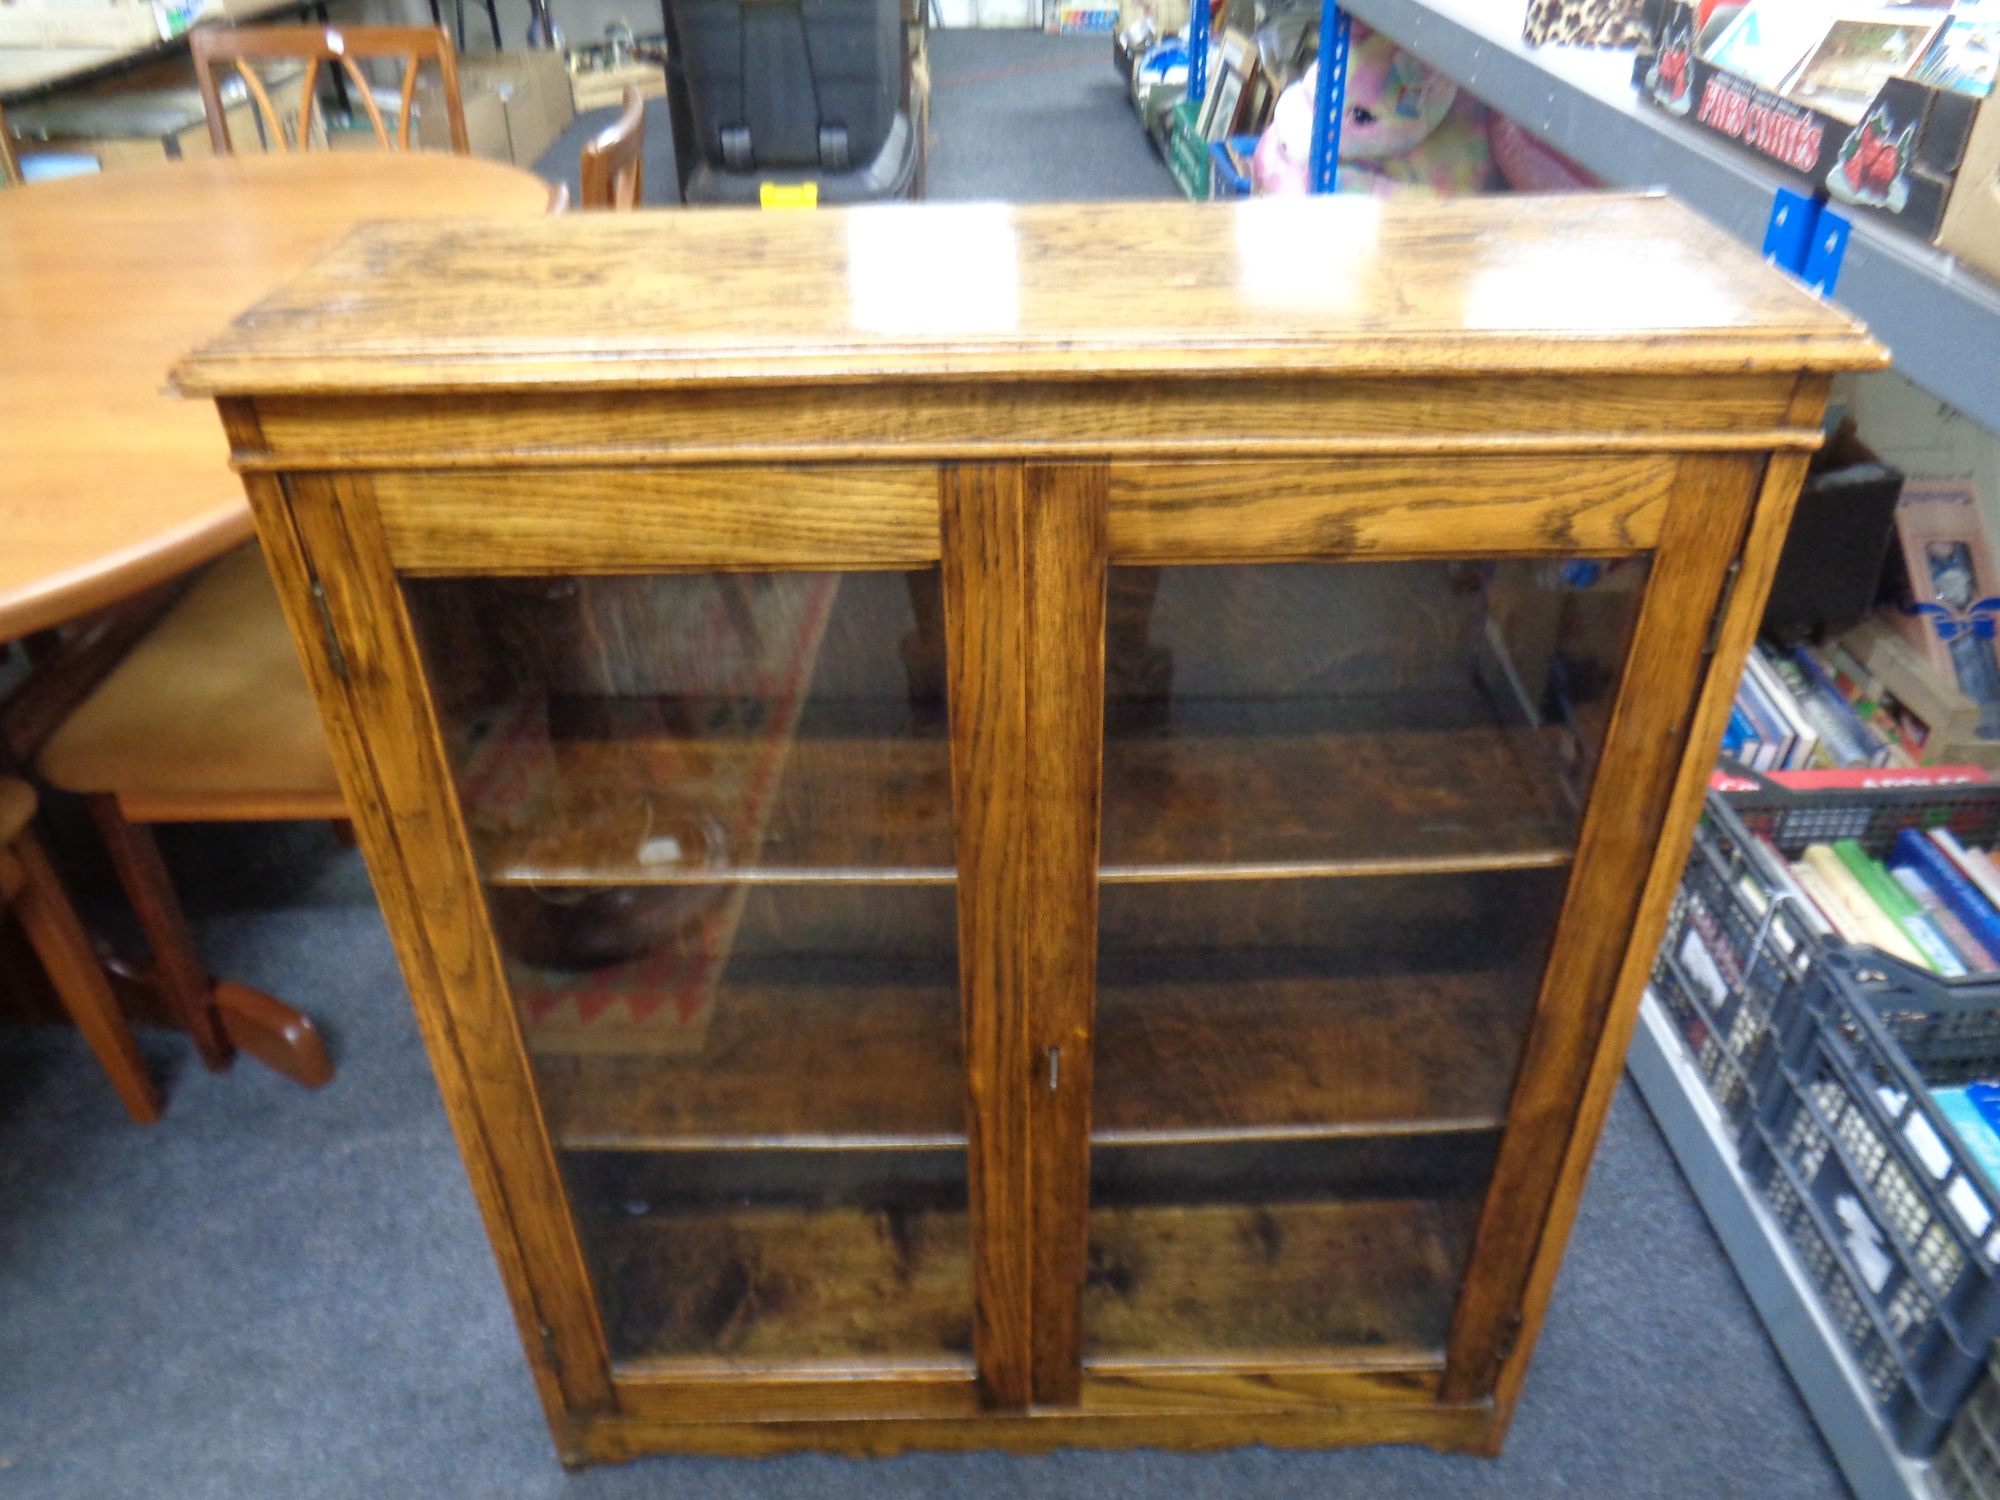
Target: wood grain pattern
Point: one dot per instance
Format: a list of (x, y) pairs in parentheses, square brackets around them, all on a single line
[(1270, 512), (396, 889), (1138, 419), (1368, 801), (1649, 731), (854, 295), (111, 487), (1189, 1062), (1291, 1085), (985, 566), (1243, 1056), (1264, 1383), (718, 1391), (395, 751), (782, 1286), (1328, 1274), (648, 520), (1063, 609), (1453, 1429), (1776, 502)]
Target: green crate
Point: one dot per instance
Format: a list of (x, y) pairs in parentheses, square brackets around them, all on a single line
[(1187, 150)]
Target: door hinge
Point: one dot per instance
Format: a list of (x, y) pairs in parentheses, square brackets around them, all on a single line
[(1055, 1068), (1722, 607), (1510, 1335), (337, 656), (549, 1349)]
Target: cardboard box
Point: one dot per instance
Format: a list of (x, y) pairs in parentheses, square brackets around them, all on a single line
[(128, 130), (1899, 163), (600, 88), (516, 105), (1950, 716), (1972, 218), (68, 23), (123, 25)]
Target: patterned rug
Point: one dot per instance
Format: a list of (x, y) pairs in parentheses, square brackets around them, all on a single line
[(618, 824)]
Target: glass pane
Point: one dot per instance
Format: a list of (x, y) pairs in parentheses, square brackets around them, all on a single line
[(712, 818), (1340, 805)]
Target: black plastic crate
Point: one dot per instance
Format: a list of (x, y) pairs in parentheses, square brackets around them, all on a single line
[(1734, 950), (1898, 1227), (1820, 1055), (1871, 815), (1968, 1465)]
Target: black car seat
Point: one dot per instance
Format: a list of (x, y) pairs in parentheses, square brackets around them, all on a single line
[(789, 91)]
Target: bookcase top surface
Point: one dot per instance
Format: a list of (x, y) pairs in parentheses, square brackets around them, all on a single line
[(1311, 286)]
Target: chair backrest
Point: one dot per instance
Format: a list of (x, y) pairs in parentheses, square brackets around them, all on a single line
[(614, 163), (10, 169), (343, 46)]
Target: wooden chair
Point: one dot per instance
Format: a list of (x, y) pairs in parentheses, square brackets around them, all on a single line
[(28, 885), (209, 719), (10, 166), (614, 163), (346, 48)]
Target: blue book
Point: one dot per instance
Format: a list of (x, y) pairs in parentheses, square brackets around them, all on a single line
[(1972, 1125), (1959, 895), (1871, 746), (1738, 734)]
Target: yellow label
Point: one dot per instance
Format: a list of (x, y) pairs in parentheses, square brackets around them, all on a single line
[(788, 195)]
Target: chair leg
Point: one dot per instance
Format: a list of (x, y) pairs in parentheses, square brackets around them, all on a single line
[(59, 940), (221, 1017), (186, 985)]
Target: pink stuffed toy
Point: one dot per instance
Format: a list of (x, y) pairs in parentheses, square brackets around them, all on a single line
[(1394, 102), (1452, 160), (1531, 167)]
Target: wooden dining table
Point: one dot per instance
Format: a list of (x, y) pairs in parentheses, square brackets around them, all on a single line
[(108, 484)]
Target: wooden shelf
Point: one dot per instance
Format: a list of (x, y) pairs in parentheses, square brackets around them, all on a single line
[(1380, 1275), (878, 1065), (782, 1284), (783, 1275), (823, 1066), (1287, 1058), (1232, 790), (1336, 786), (845, 803)]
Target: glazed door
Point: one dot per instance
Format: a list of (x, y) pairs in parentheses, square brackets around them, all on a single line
[(1376, 804), (676, 744)]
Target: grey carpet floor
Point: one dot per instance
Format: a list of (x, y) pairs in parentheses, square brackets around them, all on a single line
[(1025, 118), (282, 1294)]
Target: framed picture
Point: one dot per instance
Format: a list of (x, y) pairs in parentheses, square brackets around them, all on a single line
[(1225, 87), (1766, 42), (1965, 58), (1843, 74)]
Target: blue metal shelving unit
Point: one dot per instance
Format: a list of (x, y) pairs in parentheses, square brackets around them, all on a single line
[(1329, 98)]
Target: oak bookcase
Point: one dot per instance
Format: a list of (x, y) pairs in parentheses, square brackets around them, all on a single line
[(1028, 826)]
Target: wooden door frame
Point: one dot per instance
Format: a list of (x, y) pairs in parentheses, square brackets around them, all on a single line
[(1024, 550), (324, 537)]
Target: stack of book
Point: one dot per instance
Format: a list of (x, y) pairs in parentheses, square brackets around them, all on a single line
[(1816, 707), (1934, 904)]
